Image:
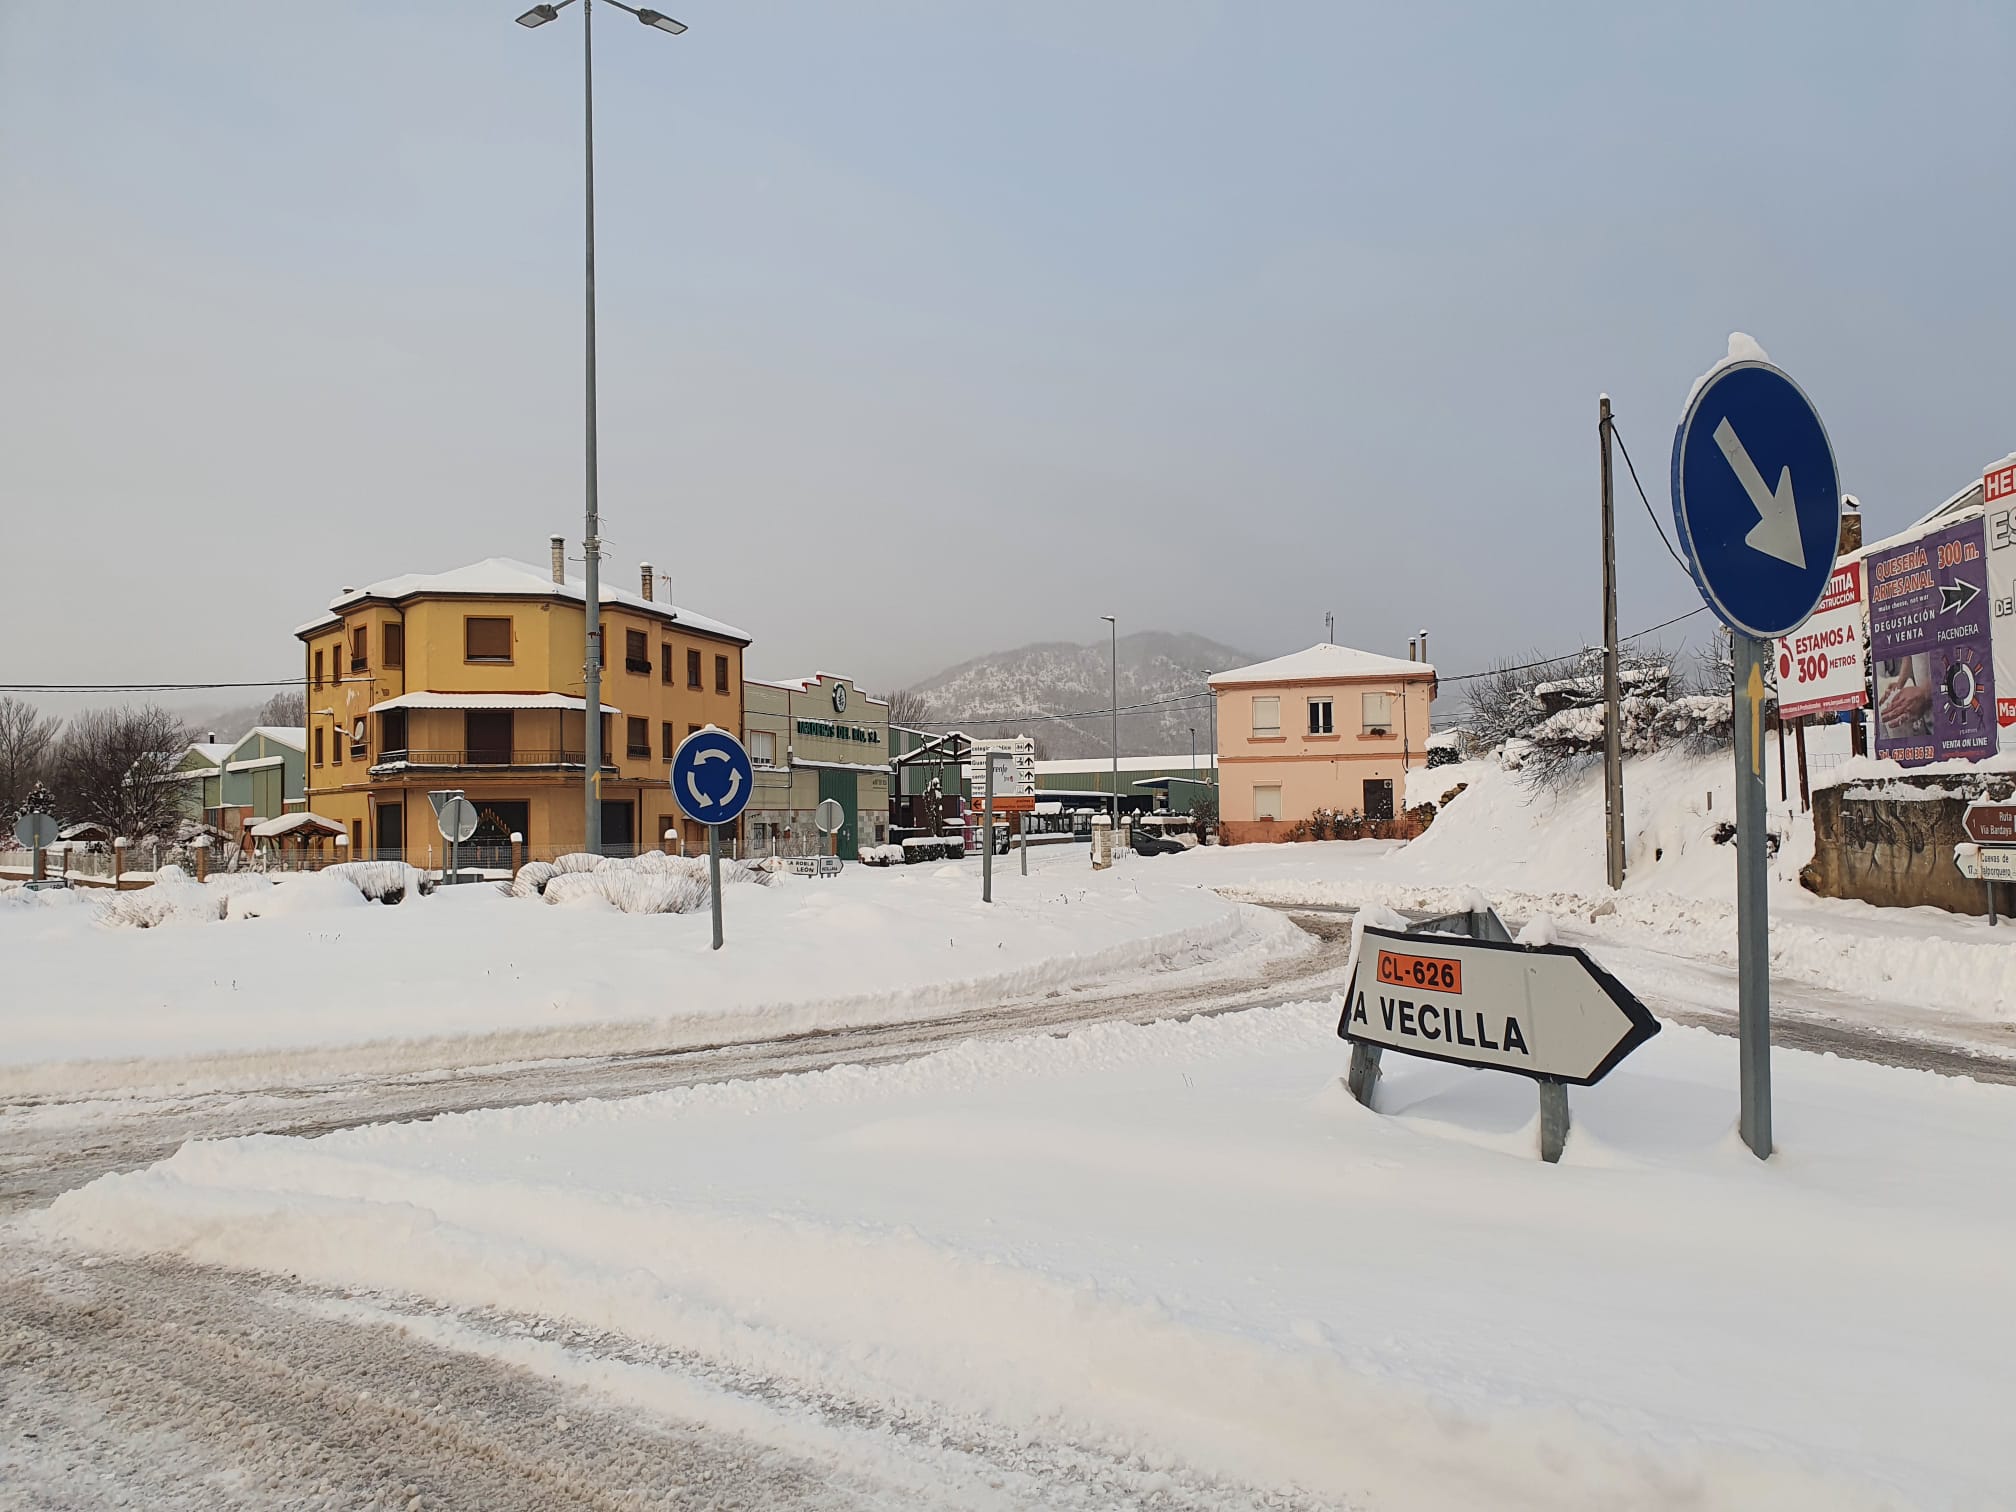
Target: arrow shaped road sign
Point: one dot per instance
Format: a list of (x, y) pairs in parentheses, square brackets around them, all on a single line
[(1776, 532), (1761, 552), (1953, 597), (1545, 1011)]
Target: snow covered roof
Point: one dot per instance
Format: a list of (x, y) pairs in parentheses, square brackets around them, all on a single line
[(486, 701), (287, 824), (807, 684), (212, 751), (287, 735), (1323, 663), (1180, 762), (505, 577)]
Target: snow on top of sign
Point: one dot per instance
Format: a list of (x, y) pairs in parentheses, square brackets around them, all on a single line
[(508, 577), (1743, 347), (1323, 660)]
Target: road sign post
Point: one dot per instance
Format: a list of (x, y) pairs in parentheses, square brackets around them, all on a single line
[(712, 780), (1757, 503), (987, 834), (1458, 989), (1753, 921), (36, 831), (456, 818), (828, 818)]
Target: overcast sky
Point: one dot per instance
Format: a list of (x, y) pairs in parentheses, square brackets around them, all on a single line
[(930, 329)]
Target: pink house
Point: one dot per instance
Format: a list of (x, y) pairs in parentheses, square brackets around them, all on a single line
[(1325, 728)]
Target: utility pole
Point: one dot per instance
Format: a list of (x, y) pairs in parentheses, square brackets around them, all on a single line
[(1114, 625), (1613, 734), (591, 539)]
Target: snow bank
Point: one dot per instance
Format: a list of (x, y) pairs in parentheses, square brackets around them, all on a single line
[(1542, 853), (1187, 1244), (311, 985)]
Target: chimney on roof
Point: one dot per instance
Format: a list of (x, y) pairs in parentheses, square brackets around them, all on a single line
[(210, 738), (1424, 643), (1851, 526), (1410, 649), (648, 583), (559, 545)]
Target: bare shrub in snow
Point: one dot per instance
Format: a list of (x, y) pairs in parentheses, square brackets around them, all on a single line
[(678, 866), (382, 881), (148, 907), (532, 879), (882, 855), (579, 861), (637, 892), (576, 889)]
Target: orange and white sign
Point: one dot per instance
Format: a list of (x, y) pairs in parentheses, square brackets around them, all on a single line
[(1823, 666)]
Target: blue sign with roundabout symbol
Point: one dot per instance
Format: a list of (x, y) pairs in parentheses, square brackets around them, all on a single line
[(712, 778)]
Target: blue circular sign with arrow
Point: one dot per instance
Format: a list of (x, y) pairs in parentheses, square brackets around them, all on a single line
[(711, 776), (1757, 498)]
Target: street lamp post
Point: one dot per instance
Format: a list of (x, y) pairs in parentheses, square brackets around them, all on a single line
[(591, 536), (1115, 626)]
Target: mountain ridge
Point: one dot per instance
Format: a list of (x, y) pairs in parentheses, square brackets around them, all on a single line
[(1160, 668)]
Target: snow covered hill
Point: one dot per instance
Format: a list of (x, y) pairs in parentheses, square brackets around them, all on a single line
[(1059, 677)]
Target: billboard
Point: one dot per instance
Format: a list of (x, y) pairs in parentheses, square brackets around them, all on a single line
[(1930, 643), (1998, 493), (1822, 666)]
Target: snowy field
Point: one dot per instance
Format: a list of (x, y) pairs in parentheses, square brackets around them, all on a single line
[(326, 983), (1186, 1244)]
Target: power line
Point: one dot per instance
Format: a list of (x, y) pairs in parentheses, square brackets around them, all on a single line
[(1548, 660), (1650, 513)]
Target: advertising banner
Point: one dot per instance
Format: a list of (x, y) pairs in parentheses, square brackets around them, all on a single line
[(1930, 643), (1823, 666), (1998, 492)]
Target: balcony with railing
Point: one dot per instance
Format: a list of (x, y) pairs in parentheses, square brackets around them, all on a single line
[(514, 759)]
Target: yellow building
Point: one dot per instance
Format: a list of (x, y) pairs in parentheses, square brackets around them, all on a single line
[(473, 679)]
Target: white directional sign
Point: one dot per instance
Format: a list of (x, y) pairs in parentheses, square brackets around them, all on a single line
[(1986, 863), (1545, 1011)]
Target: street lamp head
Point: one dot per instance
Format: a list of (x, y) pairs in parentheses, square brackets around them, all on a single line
[(663, 22), (1109, 619), (539, 15)]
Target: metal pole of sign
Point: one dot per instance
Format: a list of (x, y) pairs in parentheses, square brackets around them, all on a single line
[(1613, 734), (714, 876), (454, 861), (987, 832), (1022, 830), (1753, 924)]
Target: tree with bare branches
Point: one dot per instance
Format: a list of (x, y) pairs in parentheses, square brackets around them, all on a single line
[(27, 736), (288, 710), (907, 706), (117, 767)]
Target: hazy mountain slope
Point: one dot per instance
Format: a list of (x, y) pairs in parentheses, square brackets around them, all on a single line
[(1059, 677)]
